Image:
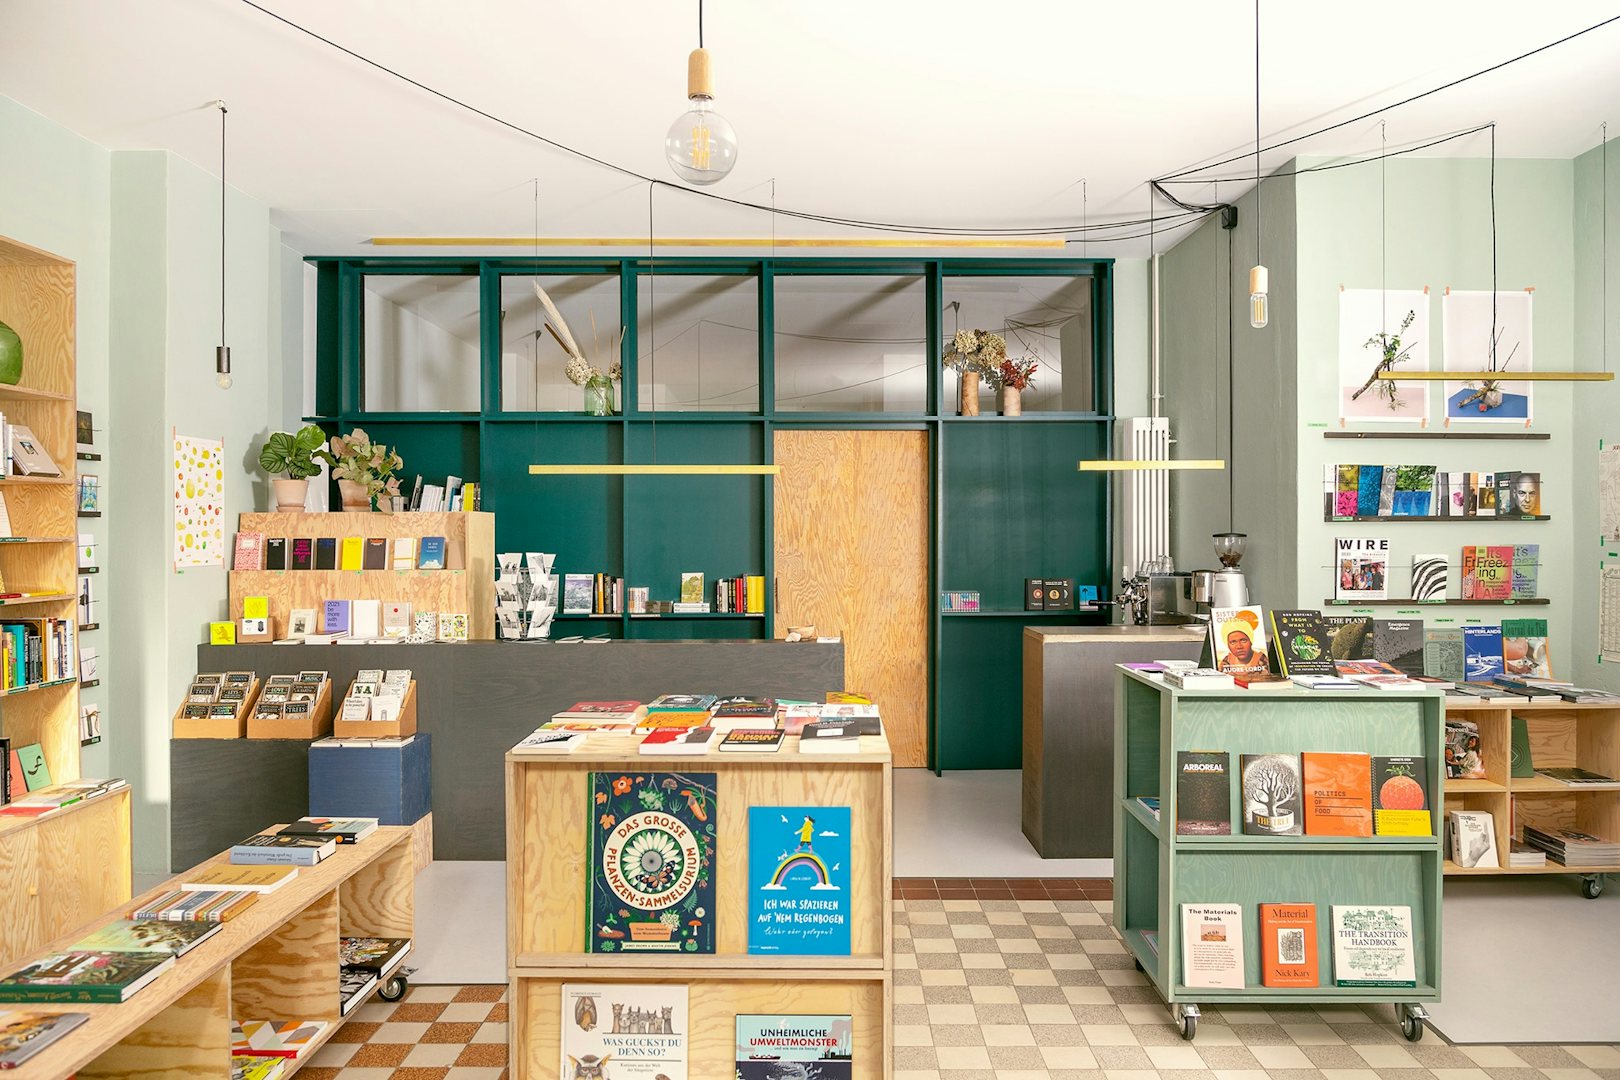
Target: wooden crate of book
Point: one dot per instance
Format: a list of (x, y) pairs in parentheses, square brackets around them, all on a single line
[(762, 834), (215, 725), (398, 728), (465, 585), (315, 723)]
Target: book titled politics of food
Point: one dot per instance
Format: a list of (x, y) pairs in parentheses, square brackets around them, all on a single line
[(650, 885), (798, 880)]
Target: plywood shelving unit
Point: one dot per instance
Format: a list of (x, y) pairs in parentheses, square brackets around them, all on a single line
[(61, 871), (1562, 734), (547, 834), (470, 589), (278, 960), (37, 291)]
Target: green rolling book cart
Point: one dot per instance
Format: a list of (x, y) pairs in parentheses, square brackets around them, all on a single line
[(1156, 870)]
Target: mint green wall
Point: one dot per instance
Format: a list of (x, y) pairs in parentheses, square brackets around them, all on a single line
[(143, 227), (1439, 236), (1597, 405)]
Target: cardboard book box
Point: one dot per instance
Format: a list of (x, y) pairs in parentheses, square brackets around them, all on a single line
[(374, 729), (316, 725), (217, 727)]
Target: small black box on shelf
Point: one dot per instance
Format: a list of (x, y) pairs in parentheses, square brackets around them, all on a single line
[(1034, 594)]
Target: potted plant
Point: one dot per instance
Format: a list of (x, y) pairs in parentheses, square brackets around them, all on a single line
[(974, 354), (1016, 376), (293, 454), (363, 469)]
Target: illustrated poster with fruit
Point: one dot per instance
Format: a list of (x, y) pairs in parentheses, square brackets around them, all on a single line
[(1400, 791), (652, 863)]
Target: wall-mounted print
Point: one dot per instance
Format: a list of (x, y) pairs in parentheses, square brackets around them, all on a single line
[(1383, 331), (1467, 320), (199, 501)]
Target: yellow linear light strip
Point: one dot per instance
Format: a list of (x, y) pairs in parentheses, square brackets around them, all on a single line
[(1496, 376), (655, 470), (1143, 465), (1033, 242)]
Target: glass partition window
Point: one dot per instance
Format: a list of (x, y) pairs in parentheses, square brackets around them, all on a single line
[(1047, 319), (851, 343), (532, 362), (697, 342), (421, 343)]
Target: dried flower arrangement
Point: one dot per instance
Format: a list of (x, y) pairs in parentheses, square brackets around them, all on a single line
[(977, 352), (1017, 374), (579, 369)]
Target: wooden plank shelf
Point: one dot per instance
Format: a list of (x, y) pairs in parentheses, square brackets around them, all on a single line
[(1063, 613), (37, 598), (38, 540), (61, 481), (1397, 518), (1523, 436), (29, 688), (1529, 600), (64, 869), (28, 393)]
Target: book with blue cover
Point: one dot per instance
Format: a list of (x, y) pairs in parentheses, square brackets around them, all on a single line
[(335, 617), (1482, 652), (799, 880), (652, 860), (430, 553)]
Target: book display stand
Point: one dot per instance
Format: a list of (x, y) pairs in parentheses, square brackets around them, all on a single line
[(64, 869), (279, 958), (1156, 871), (549, 820)]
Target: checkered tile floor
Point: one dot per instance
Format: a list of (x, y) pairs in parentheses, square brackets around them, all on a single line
[(993, 987)]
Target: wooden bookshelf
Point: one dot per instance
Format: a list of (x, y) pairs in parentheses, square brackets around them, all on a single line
[(37, 300), (1562, 734), (469, 541), (546, 886), (62, 870), (277, 960)]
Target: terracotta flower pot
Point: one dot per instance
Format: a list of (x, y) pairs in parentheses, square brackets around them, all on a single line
[(355, 496), (970, 394), (291, 495)]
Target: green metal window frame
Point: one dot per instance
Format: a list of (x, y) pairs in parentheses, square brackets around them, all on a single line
[(339, 390)]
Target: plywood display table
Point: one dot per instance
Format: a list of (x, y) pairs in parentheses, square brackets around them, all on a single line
[(61, 871), (547, 820), (277, 960)]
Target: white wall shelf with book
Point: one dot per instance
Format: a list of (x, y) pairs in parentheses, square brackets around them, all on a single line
[(1223, 897)]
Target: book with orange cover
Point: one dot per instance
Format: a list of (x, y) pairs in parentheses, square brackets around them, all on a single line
[(1338, 794), (1288, 945)]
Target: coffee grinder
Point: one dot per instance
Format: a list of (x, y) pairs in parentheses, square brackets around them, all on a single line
[(1229, 589)]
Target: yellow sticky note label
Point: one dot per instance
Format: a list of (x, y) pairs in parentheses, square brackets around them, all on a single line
[(222, 633), (255, 607)]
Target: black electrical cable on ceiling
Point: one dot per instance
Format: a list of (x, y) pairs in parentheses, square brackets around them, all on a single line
[(1330, 166), (1231, 394), (1395, 105), (222, 111), (1493, 247), (700, 24), (1257, 258)]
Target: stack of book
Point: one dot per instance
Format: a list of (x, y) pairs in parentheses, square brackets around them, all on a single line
[(1522, 855), (1568, 847), (674, 724), (365, 962)]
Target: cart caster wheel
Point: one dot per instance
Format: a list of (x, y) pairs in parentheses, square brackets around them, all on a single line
[(1412, 1017), (1140, 968), (393, 989), (1187, 1021), (1592, 887)]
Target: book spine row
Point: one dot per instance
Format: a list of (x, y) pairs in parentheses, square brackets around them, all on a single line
[(35, 651), (744, 594), (607, 595)]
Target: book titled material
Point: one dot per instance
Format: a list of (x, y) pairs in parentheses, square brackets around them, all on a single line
[(1400, 796), (1288, 945), (1212, 946), (226, 877), (1473, 839), (1203, 793), (1271, 795), (1338, 794), (1361, 568), (1373, 946), (624, 1031)]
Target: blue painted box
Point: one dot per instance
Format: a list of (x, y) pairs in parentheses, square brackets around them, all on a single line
[(393, 784)]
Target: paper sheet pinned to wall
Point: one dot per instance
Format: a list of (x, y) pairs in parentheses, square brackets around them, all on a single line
[(1609, 492), (199, 501), (1609, 616)]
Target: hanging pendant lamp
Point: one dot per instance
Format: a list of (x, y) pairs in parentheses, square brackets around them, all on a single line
[(222, 353)]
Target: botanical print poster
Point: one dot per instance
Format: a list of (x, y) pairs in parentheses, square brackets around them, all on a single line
[(1609, 492), (1383, 331), (199, 501), (1466, 319)]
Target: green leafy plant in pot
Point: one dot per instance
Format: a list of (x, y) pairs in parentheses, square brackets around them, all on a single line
[(294, 455), (363, 469), (11, 356)]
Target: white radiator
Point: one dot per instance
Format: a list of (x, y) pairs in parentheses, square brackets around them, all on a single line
[(1146, 497)]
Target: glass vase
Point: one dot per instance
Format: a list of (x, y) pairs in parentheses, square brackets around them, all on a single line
[(599, 396)]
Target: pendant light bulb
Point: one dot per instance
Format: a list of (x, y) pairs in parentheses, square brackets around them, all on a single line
[(222, 367), (1259, 305), (701, 145)]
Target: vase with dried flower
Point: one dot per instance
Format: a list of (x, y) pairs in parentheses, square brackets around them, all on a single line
[(1016, 377), (581, 371), (364, 470), (974, 354)]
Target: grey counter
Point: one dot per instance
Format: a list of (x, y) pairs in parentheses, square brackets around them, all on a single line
[(1068, 810), (476, 699)]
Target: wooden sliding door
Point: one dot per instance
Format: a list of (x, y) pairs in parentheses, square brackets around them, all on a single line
[(851, 527)]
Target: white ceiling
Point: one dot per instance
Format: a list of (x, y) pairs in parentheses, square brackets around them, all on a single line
[(954, 113)]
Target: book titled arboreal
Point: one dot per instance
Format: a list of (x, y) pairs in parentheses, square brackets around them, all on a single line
[(798, 880), (652, 863)]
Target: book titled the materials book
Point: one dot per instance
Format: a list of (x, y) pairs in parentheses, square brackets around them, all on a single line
[(772, 1047), (1338, 794), (274, 849), (1288, 945), (1373, 946), (82, 976), (1271, 795), (1212, 946), (24, 1034), (625, 1031), (1400, 797), (1203, 793), (1301, 642)]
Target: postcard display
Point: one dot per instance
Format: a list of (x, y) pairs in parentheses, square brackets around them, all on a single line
[(687, 917), (1263, 889)]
